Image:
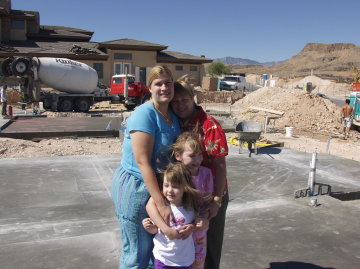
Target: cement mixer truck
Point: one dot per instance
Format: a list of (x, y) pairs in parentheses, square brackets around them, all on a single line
[(77, 84)]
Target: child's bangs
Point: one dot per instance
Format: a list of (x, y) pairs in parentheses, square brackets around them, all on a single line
[(174, 177), (194, 145)]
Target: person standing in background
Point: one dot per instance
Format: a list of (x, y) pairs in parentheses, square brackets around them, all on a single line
[(3, 99), (346, 117)]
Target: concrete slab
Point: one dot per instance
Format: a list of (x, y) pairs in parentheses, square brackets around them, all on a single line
[(57, 213), (30, 127)]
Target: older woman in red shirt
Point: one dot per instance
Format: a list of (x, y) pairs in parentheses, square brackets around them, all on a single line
[(214, 144)]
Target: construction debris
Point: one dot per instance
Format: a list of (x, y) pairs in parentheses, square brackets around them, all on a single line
[(267, 110), (7, 48), (80, 50)]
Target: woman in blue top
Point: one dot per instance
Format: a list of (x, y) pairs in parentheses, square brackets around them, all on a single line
[(150, 131)]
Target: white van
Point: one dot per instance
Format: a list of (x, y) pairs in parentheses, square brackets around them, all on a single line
[(230, 83)]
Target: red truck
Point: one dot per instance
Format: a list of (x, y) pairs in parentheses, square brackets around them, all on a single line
[(135, 94)]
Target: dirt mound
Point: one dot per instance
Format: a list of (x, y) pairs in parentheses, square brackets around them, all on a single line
[(328, 87), (218, 96), (304, 111)]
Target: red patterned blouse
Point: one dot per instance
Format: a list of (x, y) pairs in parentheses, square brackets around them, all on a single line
[(212, 136)]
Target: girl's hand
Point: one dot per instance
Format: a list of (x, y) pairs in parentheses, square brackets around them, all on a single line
[(201, 223), (149, 226), (172, 233), (186, 230)]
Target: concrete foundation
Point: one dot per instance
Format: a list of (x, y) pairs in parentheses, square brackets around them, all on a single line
[(57, 213)]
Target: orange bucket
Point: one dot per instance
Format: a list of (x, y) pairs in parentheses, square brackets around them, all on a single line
[(356, 86)]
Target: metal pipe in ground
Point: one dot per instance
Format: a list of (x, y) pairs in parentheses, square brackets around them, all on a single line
[(311, 182)]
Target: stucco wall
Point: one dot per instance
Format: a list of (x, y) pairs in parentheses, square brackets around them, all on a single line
[(195, 75), (18, 34), (147, 59), (139, 59)]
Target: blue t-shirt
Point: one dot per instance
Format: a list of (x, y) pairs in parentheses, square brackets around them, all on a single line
[(146, 119)]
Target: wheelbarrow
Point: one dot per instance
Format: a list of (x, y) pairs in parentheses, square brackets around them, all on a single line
[(249, 132)]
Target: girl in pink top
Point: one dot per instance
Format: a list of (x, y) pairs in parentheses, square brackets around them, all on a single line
[(187, 149)]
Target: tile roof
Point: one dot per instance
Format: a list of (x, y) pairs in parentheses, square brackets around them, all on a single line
[(54, 49), (72, 29), (51, 32), (174, 56), (127, 43), (15, 12)]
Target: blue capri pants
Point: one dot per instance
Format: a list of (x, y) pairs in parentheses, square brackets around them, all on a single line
[(130, 195)]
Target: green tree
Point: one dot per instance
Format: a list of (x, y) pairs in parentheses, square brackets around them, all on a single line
[(218, 69)]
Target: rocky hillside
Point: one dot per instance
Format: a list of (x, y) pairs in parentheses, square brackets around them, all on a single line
[(236, 61), (324, 60), (240, 61)]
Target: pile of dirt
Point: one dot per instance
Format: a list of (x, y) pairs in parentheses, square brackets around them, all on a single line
[(218, 96), (325, 86), (302, 110)]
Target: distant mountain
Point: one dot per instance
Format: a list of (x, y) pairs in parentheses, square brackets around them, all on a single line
[(272, 63), (240, 61), (324, 60)]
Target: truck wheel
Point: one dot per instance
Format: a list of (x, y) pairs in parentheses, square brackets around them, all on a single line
[(6, 67), (66, 105), (82, 105), (20, 66)]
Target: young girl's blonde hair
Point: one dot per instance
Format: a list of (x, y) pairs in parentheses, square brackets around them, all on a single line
[(189, 138), (177, 173)]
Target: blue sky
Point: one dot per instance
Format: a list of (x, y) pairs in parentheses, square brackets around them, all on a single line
[(261, 30)]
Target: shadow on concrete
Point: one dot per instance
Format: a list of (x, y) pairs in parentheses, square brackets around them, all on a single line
[(346, 196), (295, 265), (263, 151), (267, 151)]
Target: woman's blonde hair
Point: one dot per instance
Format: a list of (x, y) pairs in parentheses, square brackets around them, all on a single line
[(181, 87), (158, 71), (177, 173), (189, 138)]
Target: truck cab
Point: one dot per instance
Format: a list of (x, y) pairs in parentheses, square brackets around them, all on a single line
[(355, 103), (131, 93), (117, 83)]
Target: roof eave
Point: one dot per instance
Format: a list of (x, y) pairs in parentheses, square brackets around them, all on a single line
[(184, 61), (131, 47), (55, 37), (56, 55)]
